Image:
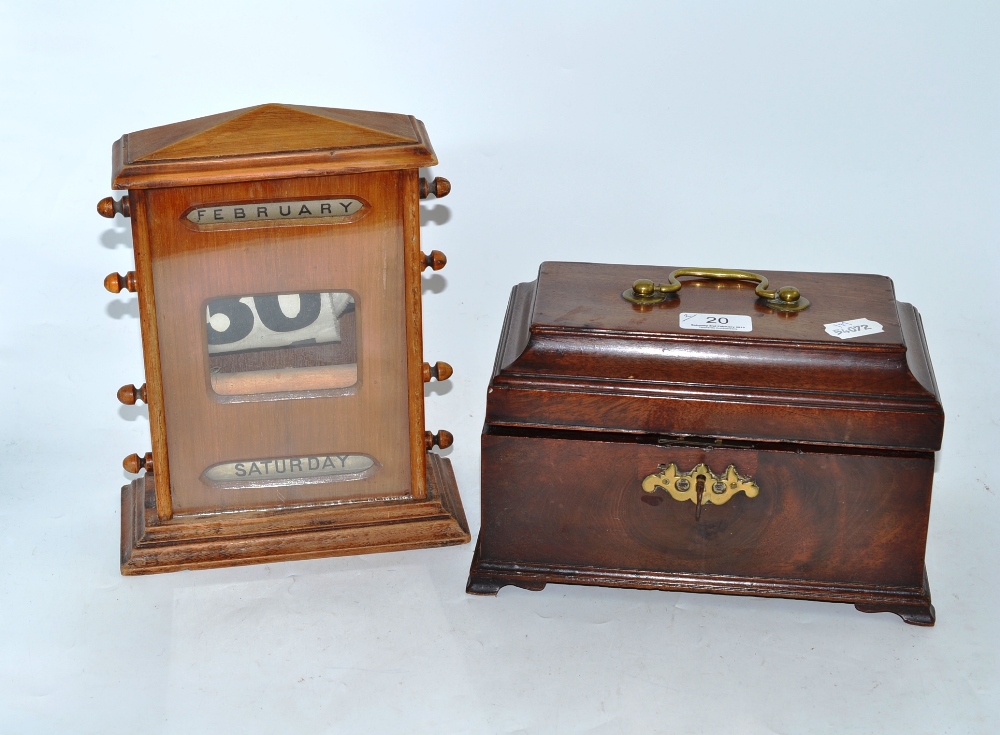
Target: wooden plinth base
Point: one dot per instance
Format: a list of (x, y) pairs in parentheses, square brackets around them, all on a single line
[(256, 537), (487, 576)]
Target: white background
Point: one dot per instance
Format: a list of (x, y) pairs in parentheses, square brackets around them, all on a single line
[(845, 136)]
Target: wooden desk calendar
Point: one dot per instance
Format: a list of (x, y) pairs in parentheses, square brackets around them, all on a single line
[(277, 267), (711, 434)]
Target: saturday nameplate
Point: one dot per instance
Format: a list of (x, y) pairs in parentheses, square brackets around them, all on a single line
[(319, 468), (265, 212)]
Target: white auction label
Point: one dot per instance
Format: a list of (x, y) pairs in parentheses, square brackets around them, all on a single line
[(853, 328), (716, 322)]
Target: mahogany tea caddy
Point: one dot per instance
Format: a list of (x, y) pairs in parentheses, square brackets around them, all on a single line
[(711, 434)]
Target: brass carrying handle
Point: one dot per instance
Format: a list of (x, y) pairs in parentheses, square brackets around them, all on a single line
[(786, 298)]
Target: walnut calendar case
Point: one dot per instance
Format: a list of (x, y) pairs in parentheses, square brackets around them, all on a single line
[(711, 434), (278, 274)]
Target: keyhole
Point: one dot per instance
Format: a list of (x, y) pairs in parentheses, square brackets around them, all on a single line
[(699, 488)]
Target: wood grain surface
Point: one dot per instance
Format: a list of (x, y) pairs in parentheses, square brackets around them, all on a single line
[(590, 394), (142, 248), (270, 141), (598, 362), (149, 545), (360, 396), (845, 518)]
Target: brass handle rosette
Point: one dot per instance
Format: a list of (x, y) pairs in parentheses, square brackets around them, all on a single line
[(645, 292), (701, 486)]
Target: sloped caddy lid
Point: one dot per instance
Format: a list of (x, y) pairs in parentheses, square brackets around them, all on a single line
[(269, 141), (575, 354)]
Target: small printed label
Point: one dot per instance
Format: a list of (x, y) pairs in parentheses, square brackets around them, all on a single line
[(716, 322), (853, 328)]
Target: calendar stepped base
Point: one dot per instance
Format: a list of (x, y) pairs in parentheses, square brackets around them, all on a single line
[(230, 539)]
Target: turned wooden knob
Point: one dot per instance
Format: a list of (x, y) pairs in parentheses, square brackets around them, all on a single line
[(436, 260), (442, 439), (115, 283), (439, 187), (133, 463), (129, 394), (109, 207), (437, 371)]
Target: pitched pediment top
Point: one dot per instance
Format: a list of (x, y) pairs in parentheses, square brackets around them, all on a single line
[(269, 128), (267, 141)]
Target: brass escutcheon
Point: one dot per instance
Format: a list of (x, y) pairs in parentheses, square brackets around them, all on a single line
[(645, 292), (701, 486)]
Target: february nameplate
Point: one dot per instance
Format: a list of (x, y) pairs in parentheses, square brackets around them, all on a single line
[(272, 212)]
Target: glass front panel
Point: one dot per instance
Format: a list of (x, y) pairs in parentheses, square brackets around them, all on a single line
[(283, 344)]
